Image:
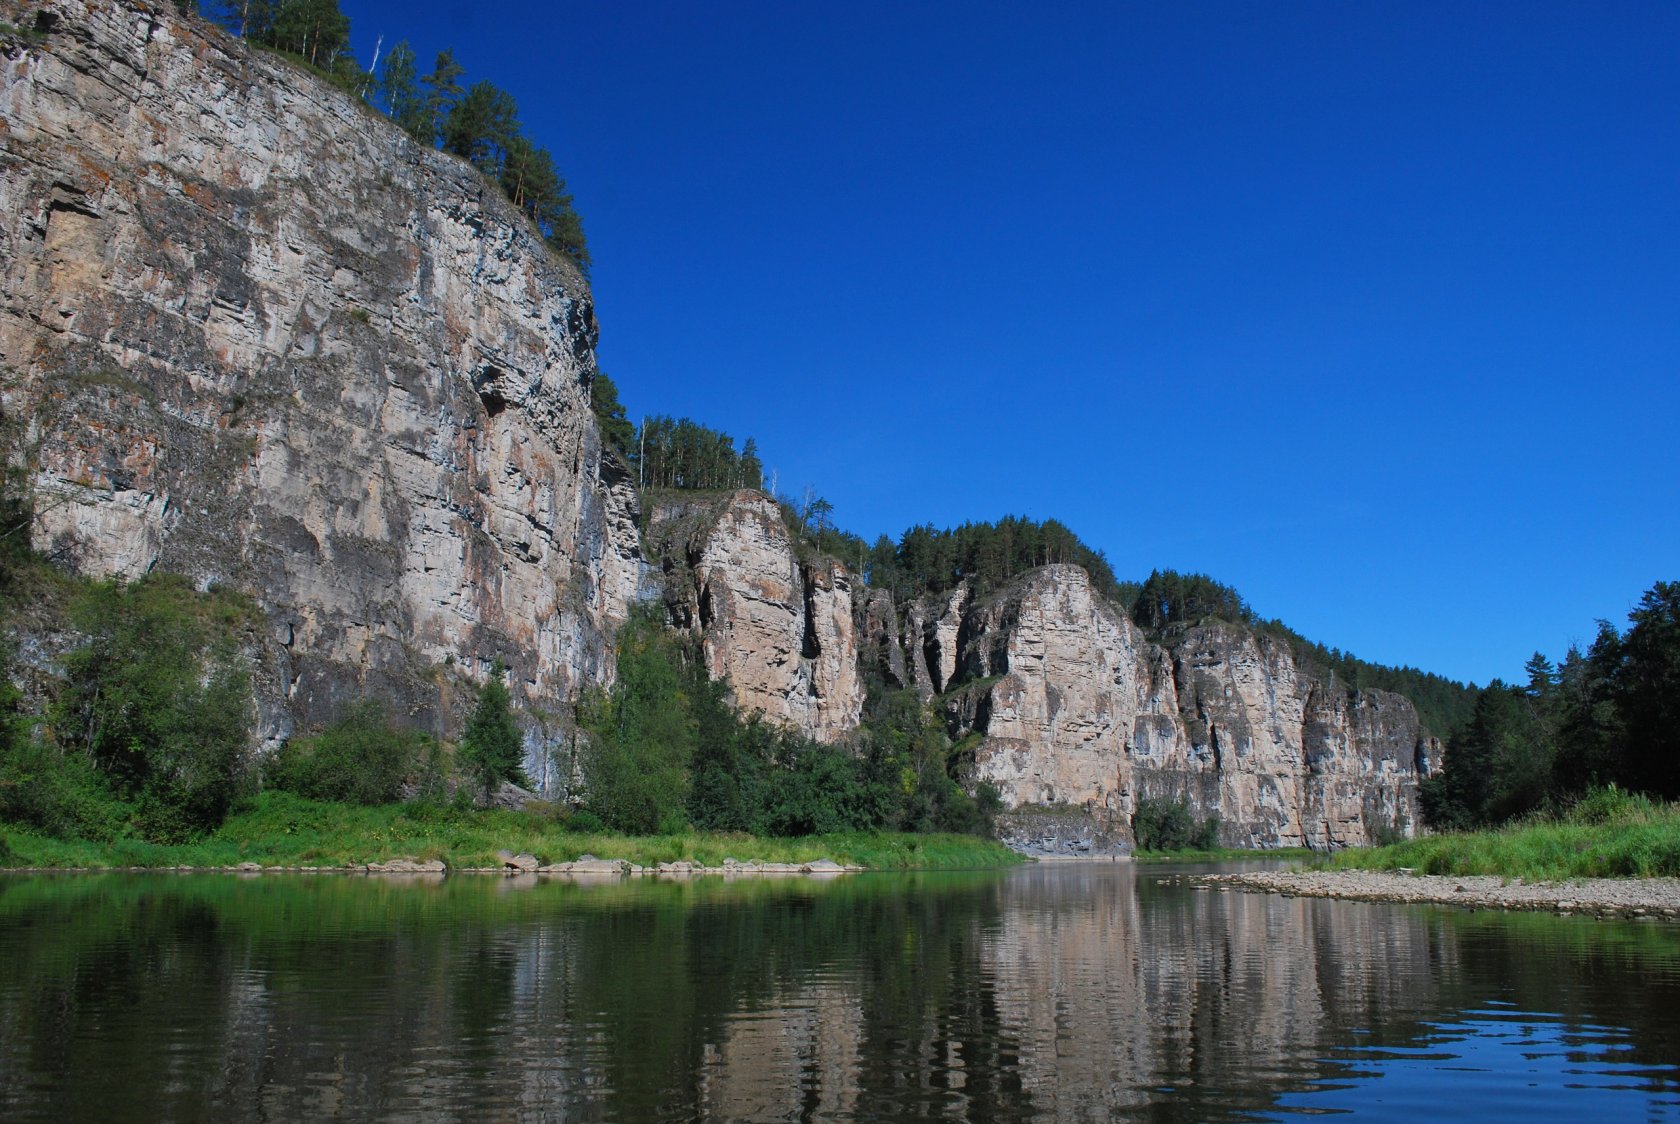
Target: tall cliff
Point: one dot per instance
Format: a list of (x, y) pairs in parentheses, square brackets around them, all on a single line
[(1062, 700), (261, 337), (1069, 704)]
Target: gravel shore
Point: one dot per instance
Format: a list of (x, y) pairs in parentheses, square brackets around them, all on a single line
[(1650, 898)]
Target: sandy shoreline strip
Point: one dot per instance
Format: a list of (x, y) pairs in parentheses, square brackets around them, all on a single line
[(1644, 898)]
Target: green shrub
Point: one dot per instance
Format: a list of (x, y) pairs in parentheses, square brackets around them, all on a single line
[(584, 822), (61, 795), (1160, 824), (1610, 805), (157, 697), (360, 759)]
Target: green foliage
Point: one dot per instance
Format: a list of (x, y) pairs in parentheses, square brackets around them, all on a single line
[(1610, 716), (157, 698), (1608, 833), (480, 124), (1168, 599), (443, 90), (283, 829), (641, 737), (1498, 766), (986, 555), (666, 746), (360, 759), (44, 788), (491, 747), (399, 89), (1159, 824), (584, 821), (682, 453), (617, 432)]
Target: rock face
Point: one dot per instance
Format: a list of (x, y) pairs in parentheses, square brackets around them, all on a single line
[(1074, 707), (262, 338), (778, 629)]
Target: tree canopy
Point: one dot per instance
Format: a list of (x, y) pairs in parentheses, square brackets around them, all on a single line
[(1607, 716)]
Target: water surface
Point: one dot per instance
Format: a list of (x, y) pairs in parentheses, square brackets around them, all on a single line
[(1066, 992)]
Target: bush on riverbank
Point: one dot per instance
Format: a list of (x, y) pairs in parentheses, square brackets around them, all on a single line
[(283, 829), (1168, 825), (1609, 833)]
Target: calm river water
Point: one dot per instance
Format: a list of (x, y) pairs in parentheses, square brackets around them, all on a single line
[(1056, 992)]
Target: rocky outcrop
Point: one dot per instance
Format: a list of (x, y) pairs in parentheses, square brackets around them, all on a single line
[(262, 338), (777, 628), (1074, 708)]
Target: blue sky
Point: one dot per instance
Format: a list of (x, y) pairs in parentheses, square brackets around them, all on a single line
[(1370, 310)]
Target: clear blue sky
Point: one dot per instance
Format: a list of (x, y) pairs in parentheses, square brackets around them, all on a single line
[(1371, 310)]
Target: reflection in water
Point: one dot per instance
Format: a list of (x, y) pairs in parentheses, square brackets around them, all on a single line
[(1061, 992)]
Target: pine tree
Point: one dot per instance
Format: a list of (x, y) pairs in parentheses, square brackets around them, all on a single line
[(491, 748), (401, 91), (443, 91)]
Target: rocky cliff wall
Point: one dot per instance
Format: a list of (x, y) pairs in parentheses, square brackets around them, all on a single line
[(1074, 707), (779, 629), (262, 338)]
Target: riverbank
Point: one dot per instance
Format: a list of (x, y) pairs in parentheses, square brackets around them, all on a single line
[(1647, 898), (1223, 855), (1608, 834), (283, 832)]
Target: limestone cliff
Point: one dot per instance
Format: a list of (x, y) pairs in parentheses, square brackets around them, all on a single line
[(260, 337), (263, 338), (1073, 706), (777, 628)]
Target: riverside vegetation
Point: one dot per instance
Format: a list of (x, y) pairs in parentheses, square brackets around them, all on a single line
[(1609, 833), (137, 754)]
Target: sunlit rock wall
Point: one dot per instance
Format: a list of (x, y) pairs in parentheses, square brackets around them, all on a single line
[(262, 338), (1076, 708), (778, 628)]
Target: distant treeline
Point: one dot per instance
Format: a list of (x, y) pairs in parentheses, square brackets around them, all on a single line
[(986, 555), (1170, 601), (681, 453), (1606, 716), (479, 123), (667, 452)]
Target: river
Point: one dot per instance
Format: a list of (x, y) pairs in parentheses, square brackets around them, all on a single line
[(1055, 992)]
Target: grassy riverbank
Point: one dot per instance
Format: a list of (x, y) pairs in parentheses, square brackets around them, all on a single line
[(279, 829), (1609, 834)]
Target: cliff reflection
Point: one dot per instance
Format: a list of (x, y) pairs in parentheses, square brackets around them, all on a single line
[(1052, 993)]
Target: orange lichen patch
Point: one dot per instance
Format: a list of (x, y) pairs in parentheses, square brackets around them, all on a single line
[(94, 170), (202, 194), (771, 590)]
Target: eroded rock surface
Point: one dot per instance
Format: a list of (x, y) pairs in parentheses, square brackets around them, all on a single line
[(262, 338), (1075, 708), (779, 629)]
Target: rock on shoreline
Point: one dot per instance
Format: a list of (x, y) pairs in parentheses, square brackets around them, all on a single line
[(1650, 898)]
